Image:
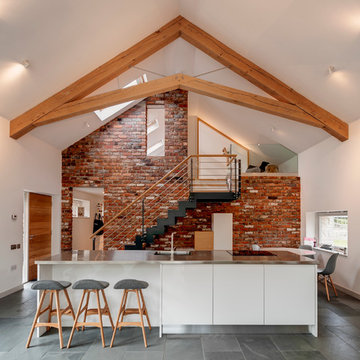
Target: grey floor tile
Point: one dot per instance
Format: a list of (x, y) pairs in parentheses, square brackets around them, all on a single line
[(256, 347), (291, 342), (131, 339), (96, 352), (183, 348), (329, 318), (333, 348), (342, 309), (228, 355), (141, 355), (218, 343), (353, 320), (303, 355), (52, 355), (350, 334)]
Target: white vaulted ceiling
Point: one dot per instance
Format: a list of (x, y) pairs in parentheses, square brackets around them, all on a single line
[(294, 40)]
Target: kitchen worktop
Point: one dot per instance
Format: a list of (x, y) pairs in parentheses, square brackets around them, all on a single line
[(147, 256)]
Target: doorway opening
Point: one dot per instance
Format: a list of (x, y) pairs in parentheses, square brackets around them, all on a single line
[(37, 231), (88, 215)]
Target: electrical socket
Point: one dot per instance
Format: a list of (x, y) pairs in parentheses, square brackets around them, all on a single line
[(13, 247), (13, 267)]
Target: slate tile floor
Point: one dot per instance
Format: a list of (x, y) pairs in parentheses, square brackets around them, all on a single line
[(339, 338)]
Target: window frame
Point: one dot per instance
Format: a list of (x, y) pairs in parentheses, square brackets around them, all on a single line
[(340, 250)]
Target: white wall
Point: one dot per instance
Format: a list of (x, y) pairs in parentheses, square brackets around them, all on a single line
[(82, 228), (330, 180), (212, 142), (27, 164), (289, 166)]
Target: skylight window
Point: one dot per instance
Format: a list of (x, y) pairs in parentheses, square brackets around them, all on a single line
[(110, 111)]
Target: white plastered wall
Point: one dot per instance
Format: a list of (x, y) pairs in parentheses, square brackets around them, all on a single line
[(330, 180), (27, 164)]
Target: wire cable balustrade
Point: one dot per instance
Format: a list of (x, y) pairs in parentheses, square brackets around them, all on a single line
[(195, 174)]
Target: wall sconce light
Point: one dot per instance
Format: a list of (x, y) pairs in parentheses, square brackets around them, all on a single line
[(25, 63), (331, 69)]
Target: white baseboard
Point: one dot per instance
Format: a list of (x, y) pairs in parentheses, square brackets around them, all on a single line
[(11, 291), (348, 291)]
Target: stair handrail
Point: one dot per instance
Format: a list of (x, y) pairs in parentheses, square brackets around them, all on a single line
[(140, 197)]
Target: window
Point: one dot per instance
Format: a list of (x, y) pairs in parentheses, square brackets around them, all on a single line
[(332, 230), (81, 208), (155, 119), (104, 114)]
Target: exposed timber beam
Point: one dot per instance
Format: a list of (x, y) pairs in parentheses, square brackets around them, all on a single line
[(98, 77), (110, 98), (46, 111), (261, 78), (179, 81), (247, 99)]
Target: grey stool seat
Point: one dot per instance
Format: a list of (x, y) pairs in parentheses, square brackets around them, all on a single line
[(131, 284), (50, 285), (90, 284)]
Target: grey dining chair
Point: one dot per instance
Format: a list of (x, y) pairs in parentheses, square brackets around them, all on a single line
[(307, 247), (326, 273)]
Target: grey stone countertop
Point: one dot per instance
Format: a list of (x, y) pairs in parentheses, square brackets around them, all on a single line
[(147, 256)]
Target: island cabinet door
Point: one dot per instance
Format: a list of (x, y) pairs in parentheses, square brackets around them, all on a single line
[(238, 294), (187, 294), (290, 294)]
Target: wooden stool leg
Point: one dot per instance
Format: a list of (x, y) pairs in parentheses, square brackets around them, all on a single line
[(124, 306), (42, 297), (70, 305), (326, 287), (145, 309), (76, 319), (58, 312), (106, 308), (50, 309), (100, 317), (141, 317), (117, 319), (333, 286), (86, 308)]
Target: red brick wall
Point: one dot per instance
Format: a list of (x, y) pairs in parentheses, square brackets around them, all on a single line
[(268, 214), (114, 157)]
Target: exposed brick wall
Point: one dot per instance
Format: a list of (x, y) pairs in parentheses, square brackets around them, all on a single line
[(258, 219), (114, 157)]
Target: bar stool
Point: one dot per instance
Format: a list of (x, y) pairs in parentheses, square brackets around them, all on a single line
[(52, 288), (91, 286), (136, 286)]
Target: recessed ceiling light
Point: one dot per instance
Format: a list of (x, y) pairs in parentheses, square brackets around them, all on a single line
[(331, 69), (258, 144), (25, 63)]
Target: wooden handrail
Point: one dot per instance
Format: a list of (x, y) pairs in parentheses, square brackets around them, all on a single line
[(141, 196), (152, 187)]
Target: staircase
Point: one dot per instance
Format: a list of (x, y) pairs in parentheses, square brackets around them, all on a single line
[(198, 178)]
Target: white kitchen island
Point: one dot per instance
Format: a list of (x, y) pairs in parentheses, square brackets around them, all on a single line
[(204, 288)]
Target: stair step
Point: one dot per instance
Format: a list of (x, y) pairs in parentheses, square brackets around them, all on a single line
[(187, 204), (154, 231), (214, 196), (166, 222)]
